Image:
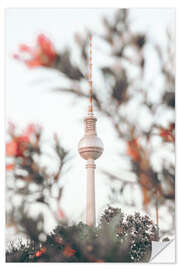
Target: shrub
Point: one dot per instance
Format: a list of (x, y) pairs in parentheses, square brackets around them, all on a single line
[(117, 238)]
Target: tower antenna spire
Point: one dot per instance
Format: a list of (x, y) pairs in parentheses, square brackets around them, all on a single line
[(90, 74)]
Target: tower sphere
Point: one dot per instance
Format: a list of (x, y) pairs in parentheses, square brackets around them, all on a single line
[(90, 147)]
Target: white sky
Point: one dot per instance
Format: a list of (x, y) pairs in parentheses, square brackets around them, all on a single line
[(28, 96)]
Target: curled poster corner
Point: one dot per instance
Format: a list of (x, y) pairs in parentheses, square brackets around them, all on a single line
[(163, 252)]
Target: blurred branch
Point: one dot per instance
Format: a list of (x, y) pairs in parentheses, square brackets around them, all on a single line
[(115, 177)]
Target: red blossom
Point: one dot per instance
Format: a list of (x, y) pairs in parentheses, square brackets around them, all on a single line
[(167, 134), (43, 54), (68, 251), (133, 149), (9, 167), (40, 252), (18, 145), (11, 148), (24, 48)]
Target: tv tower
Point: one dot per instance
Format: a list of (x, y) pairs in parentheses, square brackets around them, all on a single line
[(90, 148)]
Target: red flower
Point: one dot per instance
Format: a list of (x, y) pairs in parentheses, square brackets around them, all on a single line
[(9, 167), (19, 144), (43, 54), (68, 251), (133, 149), (167, 134), (17, 147), (40, 252), (11, 148), (22, 143)]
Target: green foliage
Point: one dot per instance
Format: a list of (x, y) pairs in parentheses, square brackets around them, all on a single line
[(117, 238)]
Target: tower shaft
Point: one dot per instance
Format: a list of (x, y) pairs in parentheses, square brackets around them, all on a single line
[(90, 203)]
